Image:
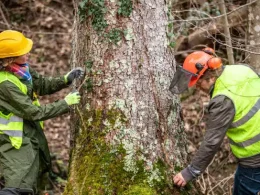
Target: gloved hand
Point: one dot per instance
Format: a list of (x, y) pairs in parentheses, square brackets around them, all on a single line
[(73, 74), (72, 98)]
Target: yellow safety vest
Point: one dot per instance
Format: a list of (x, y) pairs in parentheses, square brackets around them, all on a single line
[(11, 124), (242, 85)]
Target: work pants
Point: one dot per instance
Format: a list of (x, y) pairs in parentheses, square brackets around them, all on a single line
[(9, 191), (247, 181), (20, 167)]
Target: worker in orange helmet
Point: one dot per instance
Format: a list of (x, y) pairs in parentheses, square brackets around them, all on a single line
[(24, 152), (233, 111)]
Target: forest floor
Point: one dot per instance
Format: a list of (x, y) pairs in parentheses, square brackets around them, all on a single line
[(50, 24)]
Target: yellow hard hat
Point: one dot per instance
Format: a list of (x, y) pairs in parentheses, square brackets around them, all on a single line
[(14, 43)]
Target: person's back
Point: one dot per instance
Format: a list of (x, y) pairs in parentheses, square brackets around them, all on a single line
[(233, 110)]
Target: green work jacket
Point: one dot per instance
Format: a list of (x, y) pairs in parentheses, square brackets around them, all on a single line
[(14, 100), (242, 85)]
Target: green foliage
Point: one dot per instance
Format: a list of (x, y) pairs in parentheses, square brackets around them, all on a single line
[(114, 35), (95, 9), (82, 9), (89, 85), (177, 168), (170, 26), (125, 7), (170, 35), (172, 44), (89, 65), (163, 183)]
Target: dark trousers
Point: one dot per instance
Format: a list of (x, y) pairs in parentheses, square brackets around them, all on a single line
[(247, 181), (16, 191), (9, 191)]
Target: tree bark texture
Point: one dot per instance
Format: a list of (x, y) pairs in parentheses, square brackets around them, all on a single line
[(254, 34), (128, 132)]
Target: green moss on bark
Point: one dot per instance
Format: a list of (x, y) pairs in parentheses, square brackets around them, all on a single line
[(100, 167)]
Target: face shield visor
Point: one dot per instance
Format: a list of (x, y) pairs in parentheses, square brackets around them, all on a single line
[(181, 80)]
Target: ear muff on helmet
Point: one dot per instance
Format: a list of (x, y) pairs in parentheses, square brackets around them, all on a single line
[(214, 63)]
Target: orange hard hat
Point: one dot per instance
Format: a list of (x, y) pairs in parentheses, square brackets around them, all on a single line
[(198, 62)]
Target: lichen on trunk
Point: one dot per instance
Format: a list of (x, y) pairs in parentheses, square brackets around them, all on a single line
[(129, 135)]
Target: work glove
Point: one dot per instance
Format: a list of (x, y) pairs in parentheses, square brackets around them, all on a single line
[(72, 98), (73, 74)]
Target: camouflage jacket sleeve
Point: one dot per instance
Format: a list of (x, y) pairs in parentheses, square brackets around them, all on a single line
[(13, 100), (46, 85)]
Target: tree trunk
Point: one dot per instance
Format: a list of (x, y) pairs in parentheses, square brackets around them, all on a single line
[(230, 54), (128, 133), (254, 34)]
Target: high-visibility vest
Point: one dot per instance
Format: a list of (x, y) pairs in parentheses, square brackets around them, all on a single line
[(11, 124), (242, 85)]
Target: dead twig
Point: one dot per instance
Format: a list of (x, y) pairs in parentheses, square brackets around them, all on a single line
[(4, 18), (227, 33), (212, 18), (225, 180), (54, 11)]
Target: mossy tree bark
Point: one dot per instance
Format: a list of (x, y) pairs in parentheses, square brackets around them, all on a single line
[(129, 136)]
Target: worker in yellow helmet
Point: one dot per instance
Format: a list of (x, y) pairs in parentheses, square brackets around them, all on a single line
[(234, 110), (24, 152)]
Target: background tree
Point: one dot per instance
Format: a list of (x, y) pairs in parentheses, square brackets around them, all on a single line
[(254, 34), (128, 131)]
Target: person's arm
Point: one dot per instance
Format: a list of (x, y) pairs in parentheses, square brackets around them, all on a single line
[(221, 113), (15, 101), (47, 85)]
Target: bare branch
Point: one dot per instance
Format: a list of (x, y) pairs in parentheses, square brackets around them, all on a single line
[(227, 33), (212, 18), (4, 18)]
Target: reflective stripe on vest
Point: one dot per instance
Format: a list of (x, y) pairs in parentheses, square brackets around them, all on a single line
[(247, 142), (14, 133), (249, 115), (12, 119), (243, 120), (10, 124), (242, 85)]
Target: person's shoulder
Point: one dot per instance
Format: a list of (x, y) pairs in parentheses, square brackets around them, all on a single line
[(221, 101), (220, 98), (6, 86)]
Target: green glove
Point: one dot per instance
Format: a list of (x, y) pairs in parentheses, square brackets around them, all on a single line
[(72, 98), (73, 74)]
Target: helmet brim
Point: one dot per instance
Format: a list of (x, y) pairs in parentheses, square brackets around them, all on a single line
[(27, 47), (194, 80)]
